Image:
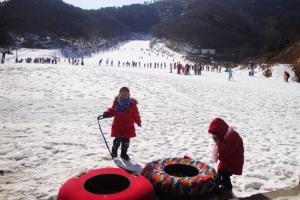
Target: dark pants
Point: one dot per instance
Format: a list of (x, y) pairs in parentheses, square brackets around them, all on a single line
[(116, 144), (223, 180)]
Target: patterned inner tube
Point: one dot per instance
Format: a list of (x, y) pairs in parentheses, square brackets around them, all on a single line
[(180, 176)]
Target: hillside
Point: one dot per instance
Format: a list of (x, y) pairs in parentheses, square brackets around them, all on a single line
[(43, 18), (290, 54), (243, 28), (236, 29)]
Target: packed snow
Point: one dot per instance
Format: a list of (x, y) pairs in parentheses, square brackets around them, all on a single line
[(49, 129)]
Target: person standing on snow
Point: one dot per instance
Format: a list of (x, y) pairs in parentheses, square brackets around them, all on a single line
[(179, 66), (230, 73), (251, 72), (125, 113), (188, 67), (199, 68), (286, 76), (229, 150), (196, 69)]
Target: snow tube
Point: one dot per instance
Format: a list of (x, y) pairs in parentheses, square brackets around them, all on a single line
[(108, 184), (180, 176)]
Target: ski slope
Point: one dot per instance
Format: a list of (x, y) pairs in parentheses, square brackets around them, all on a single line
[(49, 129)]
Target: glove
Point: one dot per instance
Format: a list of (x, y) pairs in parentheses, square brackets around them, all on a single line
[(105, 115), (139, 125)]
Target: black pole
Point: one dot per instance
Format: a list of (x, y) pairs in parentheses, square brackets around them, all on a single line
[(100, 118)]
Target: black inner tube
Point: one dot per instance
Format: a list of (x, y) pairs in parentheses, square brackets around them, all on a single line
[(106, 184), (181, 170)]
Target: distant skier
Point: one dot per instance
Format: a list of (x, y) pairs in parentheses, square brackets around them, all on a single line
[(286, 76), (229, 150), (187, 71), (3, 56), (179, 67), (230, 74), (251, 72), (125, 113), (199, 69), (196, 69)]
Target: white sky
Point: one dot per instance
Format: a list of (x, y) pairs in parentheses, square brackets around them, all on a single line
[(95, 4)]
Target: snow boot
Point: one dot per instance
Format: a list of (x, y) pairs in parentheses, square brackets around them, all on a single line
[(125, 146), (116, 144), (114, 152), (125, 156)]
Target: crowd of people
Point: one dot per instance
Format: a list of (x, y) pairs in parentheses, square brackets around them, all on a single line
[(76, 61), (154, 65), (48, 60), (176, 67), (186, 69), (40, 60), (197, 68)]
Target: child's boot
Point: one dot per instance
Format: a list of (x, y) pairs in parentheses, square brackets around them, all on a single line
[(116, 144), (125, 156), (125, 146), (114, 152)]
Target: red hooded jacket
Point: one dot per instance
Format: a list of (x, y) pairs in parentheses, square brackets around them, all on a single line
[(231, 148), (123, 123)]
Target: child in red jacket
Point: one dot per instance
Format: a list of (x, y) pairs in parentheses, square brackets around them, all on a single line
[(125, 113), (229, 150)]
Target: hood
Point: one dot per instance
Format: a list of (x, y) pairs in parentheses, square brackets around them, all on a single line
[(218, 127)]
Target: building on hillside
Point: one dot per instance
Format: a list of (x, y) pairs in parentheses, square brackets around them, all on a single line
[(208, 51)]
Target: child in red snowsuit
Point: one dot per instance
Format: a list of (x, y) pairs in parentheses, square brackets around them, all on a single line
[(229, 150), (125, 113)]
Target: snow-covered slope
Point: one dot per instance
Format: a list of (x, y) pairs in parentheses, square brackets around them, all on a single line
[(49, 130)]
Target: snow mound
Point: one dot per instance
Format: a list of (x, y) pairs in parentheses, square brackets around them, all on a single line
[(279, 69)]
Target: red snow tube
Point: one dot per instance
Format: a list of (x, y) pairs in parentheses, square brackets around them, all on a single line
[(108, 184)]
